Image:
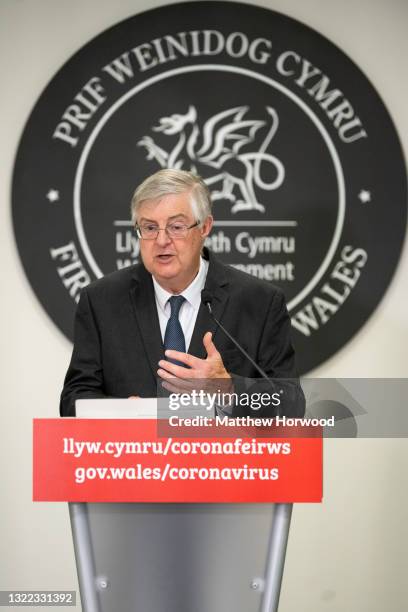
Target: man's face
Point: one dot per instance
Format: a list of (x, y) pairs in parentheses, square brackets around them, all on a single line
[(174, 262)]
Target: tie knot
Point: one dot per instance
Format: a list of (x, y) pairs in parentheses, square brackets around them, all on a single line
[(176, 302)]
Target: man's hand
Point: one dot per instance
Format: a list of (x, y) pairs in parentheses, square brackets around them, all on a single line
[(205, 370)]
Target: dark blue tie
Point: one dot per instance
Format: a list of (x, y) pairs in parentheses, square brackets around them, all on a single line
[(174, 337)]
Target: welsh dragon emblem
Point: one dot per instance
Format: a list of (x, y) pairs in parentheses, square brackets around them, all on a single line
[(218, 150)]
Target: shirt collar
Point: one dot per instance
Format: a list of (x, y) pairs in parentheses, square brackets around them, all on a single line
[(192, 293)]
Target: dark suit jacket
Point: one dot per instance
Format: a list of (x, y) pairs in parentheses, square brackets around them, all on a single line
[(117, 339)]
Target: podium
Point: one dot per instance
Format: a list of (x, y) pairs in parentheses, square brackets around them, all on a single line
[(176, 557), (179, 557)]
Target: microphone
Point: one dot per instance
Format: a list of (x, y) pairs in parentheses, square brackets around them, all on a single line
[(207, 298), (297, 397)]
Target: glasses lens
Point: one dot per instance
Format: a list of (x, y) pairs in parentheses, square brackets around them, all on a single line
[(176, 230), (149, 231)]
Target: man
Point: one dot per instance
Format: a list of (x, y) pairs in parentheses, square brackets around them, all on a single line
[(146, 324)]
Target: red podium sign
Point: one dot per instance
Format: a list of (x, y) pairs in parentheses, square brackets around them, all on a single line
[(127, 460)]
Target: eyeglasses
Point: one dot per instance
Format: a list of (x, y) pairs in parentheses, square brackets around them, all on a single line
[(150, 231)]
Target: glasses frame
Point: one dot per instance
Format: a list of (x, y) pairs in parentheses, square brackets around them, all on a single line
[(138, 231)]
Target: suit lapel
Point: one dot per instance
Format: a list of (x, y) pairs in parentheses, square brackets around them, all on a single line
[(216, 282), (145, 310)]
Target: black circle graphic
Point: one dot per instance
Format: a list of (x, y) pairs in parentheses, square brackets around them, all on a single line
[(303, 161)]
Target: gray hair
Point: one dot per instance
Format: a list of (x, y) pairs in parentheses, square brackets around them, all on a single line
[(170, 181)]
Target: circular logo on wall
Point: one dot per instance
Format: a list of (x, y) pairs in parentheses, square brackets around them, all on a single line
[(303, 162)]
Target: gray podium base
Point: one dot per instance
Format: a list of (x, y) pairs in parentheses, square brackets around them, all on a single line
[(180, 557)]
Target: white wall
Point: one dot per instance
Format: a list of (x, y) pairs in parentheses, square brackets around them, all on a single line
[(348, 554)]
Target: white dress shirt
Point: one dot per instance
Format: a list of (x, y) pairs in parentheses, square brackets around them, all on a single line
[(189, 309)]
